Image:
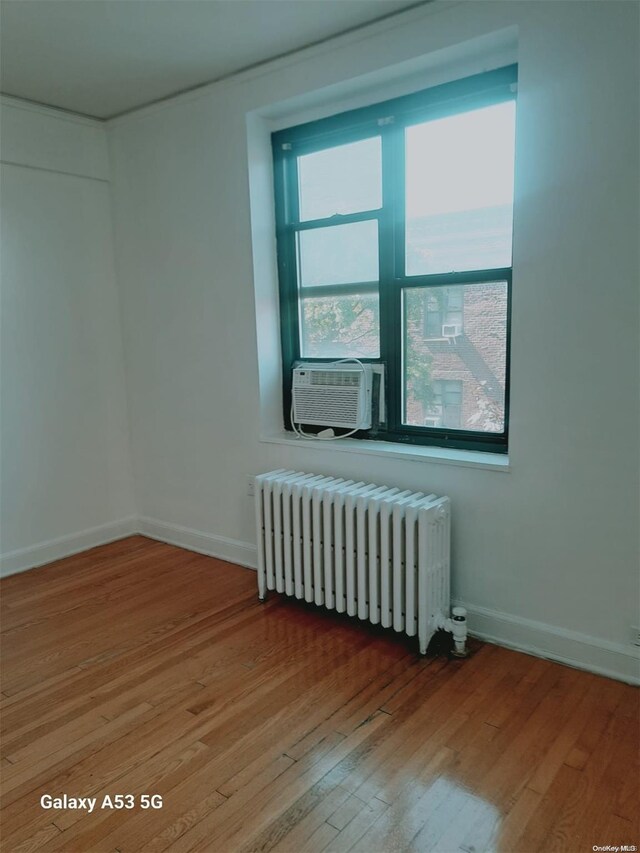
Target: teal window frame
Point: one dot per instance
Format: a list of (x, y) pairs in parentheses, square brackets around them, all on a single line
[(387, 120)]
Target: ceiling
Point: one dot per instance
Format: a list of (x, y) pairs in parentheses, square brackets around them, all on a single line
[(102, 58)]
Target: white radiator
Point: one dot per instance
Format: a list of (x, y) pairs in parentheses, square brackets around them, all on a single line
[(378, 553)]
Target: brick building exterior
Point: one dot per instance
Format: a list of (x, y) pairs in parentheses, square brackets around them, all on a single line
[(459, 335)]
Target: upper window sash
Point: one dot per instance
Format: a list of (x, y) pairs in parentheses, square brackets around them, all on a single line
[(469, 93)]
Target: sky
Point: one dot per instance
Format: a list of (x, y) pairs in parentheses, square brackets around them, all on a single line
[(462, 162)]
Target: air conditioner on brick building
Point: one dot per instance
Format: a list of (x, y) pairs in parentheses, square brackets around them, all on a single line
[(451, 330)]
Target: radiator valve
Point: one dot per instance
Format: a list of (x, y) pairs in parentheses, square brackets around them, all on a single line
[(458, 628)]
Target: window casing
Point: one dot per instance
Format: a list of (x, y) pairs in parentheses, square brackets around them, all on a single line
[(359, 277)]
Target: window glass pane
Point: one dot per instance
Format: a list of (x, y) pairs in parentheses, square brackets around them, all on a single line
[(459, 191), (340, 326), (345, 179), (339, 254), (456, 381)]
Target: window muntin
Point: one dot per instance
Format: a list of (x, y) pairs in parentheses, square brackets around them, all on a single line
[(342, 306)]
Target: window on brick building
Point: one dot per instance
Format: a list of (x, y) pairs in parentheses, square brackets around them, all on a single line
[(394, 230), (443, 312), (445, 409)]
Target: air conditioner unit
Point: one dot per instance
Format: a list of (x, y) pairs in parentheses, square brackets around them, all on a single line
[(432, 421), (332, 395), (451, 330)]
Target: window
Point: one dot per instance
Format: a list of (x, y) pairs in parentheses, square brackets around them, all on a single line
[(443, 312), (394, 229), (446, 404)]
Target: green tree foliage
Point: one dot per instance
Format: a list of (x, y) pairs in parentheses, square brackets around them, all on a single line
[(341, 326), (417, 361)]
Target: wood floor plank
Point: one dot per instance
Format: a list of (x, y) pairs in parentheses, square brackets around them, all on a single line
[(354, 830), (346, 812), (505, 839), (321, 838), (425, 729), (433, 802), (298, 789), (299, 831), (138, 668)]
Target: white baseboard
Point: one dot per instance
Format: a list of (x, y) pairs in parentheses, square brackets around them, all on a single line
[(572, 648), (231, 550), (582, 651), (65, 546)]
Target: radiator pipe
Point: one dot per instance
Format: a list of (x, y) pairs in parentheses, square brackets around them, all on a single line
[(458, 627)]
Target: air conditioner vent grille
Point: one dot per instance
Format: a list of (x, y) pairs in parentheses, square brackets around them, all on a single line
[(336, 378), (338, 406)]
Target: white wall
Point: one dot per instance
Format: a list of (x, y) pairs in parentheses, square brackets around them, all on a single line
[(546, 555), (66, 476)]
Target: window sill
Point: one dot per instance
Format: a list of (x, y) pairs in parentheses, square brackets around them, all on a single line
[(414, 453)]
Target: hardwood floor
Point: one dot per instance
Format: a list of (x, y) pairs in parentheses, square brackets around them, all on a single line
[(138, 668)]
